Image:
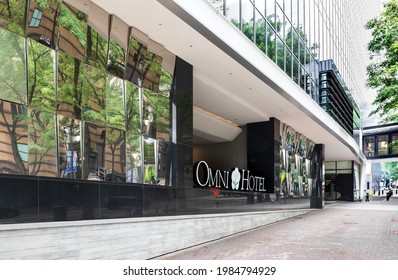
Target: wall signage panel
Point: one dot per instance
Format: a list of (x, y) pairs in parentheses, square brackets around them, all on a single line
[(236, 179)]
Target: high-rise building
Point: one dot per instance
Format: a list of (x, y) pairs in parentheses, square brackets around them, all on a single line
[(129, 129)]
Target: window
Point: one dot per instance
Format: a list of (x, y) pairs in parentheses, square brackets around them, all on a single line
[(382, 145), (394, 142), (36, 18)]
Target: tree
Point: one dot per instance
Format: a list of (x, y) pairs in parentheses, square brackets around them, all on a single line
[(383, 71)]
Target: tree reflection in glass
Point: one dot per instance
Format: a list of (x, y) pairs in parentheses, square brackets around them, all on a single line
[(152, 70), (94, 152), (13, 138), (72, 31), (12, 15), (133, 137), (12, 70), (115, 114), (41, 84), (117, 47), (42, 144), (135, 61), (69, 148), (115, 154), (70, 82), (97, 48), (94, 91)]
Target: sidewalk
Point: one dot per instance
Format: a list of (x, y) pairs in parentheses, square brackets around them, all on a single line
[(340, 231)]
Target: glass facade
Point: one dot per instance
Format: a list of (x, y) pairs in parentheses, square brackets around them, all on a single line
[(82, 101), (63, 105), (297, 35)]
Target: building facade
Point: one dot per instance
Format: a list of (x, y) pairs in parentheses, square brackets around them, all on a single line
[(106, 107)]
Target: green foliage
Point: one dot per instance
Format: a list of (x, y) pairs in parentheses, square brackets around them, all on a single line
[(389, 170), (383, 71), (41, 91), (12, 15), (268, 38), (76, 25), (12, 70), (150, 175)]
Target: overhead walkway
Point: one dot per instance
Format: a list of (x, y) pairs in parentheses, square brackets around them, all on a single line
[(377, 142)]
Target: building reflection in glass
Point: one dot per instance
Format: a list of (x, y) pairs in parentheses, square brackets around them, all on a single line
[(69, 148), (94, 152), (42, 22), (42, 144), (13, 138)]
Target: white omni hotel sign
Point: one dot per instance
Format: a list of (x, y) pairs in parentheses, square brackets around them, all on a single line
[(238, 179)]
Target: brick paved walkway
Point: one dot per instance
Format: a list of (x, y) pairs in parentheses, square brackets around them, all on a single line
[(340, 231)]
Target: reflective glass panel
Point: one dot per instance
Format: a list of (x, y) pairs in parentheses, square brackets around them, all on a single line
[(150, 171), (120, 201), (72, 31), (133, 137), (94, 93), (12, 15), (156, 116), (271, 42), (42, 144), (382, 145), (135, 63), (117, 47), (115, 155), (152, 71), (163, 162), (260, 31), (394, 139), (18, 199), (247, 19), (69, 148), (271, 14), (42, 22), (12, 70), (232, 11), (94, 152), (13, 138), (280, 53), (115, 114), (70, 82), (68, 200), (97, 48), (41, 83)]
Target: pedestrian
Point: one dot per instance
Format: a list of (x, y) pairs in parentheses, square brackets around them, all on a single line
[(367, 195), (389, 194)]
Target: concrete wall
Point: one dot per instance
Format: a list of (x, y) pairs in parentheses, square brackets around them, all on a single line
[(139, 238)]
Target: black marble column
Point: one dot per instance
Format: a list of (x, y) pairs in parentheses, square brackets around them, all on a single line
[(263, 151), (317, 198), (182, 128)]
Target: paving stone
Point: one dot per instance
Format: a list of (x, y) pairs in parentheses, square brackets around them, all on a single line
[(340, 231)]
